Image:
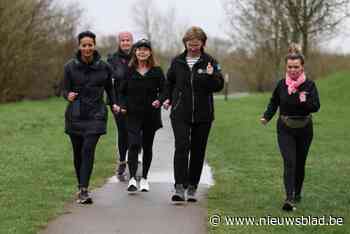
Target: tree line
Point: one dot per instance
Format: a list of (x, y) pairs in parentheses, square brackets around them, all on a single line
[(263, 31), (38, 36)]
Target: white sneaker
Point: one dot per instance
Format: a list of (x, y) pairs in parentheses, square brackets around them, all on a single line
[(144, 185), (132, 187)]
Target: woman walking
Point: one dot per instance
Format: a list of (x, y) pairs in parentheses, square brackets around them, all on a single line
[(296, 96), (86, 77), (191, 80), (141, 101), (119, 62)]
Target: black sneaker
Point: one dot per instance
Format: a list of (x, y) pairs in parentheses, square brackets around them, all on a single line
[(121, 168), (121, 171), (191, 193), (84, 197), (288, 206), (179, 195)]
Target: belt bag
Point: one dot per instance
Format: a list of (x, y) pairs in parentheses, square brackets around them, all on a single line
[(295, 121)]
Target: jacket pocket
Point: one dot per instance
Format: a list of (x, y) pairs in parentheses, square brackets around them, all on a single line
[(178, 102)]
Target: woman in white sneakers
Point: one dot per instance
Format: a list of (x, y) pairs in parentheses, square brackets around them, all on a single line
[(140, 101)]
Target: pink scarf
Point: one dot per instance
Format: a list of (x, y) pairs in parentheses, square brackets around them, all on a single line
[(294, 84)]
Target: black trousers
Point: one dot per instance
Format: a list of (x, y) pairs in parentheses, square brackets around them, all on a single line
[(294, 144), (120, 120), (140, 138), (84, 154), (190, 145)]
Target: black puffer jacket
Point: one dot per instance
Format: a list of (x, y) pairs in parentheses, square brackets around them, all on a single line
[(191, 91), (137, 92), (87, 114), (119, 62)]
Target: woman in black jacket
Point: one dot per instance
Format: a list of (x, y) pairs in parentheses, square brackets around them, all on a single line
[(85, 78), (191, 80), (296, 97), (119, 62), (141, 101)]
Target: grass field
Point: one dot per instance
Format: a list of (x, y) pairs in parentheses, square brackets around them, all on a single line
[(36, 168), (248, 167), (37, 177)]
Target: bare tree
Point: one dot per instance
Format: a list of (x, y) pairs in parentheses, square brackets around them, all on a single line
[(261, 29), (146, 18), (316, 19), (164, 29), (265, 28), (35, 44), (107, 44)]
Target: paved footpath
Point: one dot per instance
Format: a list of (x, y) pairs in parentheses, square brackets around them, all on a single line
[(115, 211)]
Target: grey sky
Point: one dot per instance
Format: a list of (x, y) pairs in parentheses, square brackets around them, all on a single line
[(112, 16)]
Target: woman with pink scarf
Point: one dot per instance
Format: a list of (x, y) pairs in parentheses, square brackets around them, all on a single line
[(296, 97)]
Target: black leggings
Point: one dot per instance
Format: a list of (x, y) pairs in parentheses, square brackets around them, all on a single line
[(147, 136), (294, 144), (122, 136), (84, 154)]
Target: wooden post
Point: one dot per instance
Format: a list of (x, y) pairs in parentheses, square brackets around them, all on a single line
[(226, 86)]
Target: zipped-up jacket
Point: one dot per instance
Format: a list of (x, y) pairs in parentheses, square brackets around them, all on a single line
[(190, 91), (87, 114)]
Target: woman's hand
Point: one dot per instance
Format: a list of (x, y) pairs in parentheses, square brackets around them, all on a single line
[(263, 121), (166, 104), (156, 104), (210, 69), (71, 96), (115, 108)]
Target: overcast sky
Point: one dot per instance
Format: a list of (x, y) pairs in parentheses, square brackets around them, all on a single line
[(112, 16)]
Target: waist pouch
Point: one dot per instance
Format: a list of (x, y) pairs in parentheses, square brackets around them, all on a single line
[(295, 121)]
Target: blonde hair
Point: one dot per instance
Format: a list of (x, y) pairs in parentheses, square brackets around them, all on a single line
[(195, 32)]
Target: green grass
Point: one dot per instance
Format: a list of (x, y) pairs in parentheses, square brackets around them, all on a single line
[(247, 164), (37, 176), (36, 167)]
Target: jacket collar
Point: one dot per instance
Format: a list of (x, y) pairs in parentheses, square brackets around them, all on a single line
[(96, 61), (121, 54), (182, 57)]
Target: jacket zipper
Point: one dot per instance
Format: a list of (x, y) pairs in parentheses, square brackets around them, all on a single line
[(192, 95), (192, 88)]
